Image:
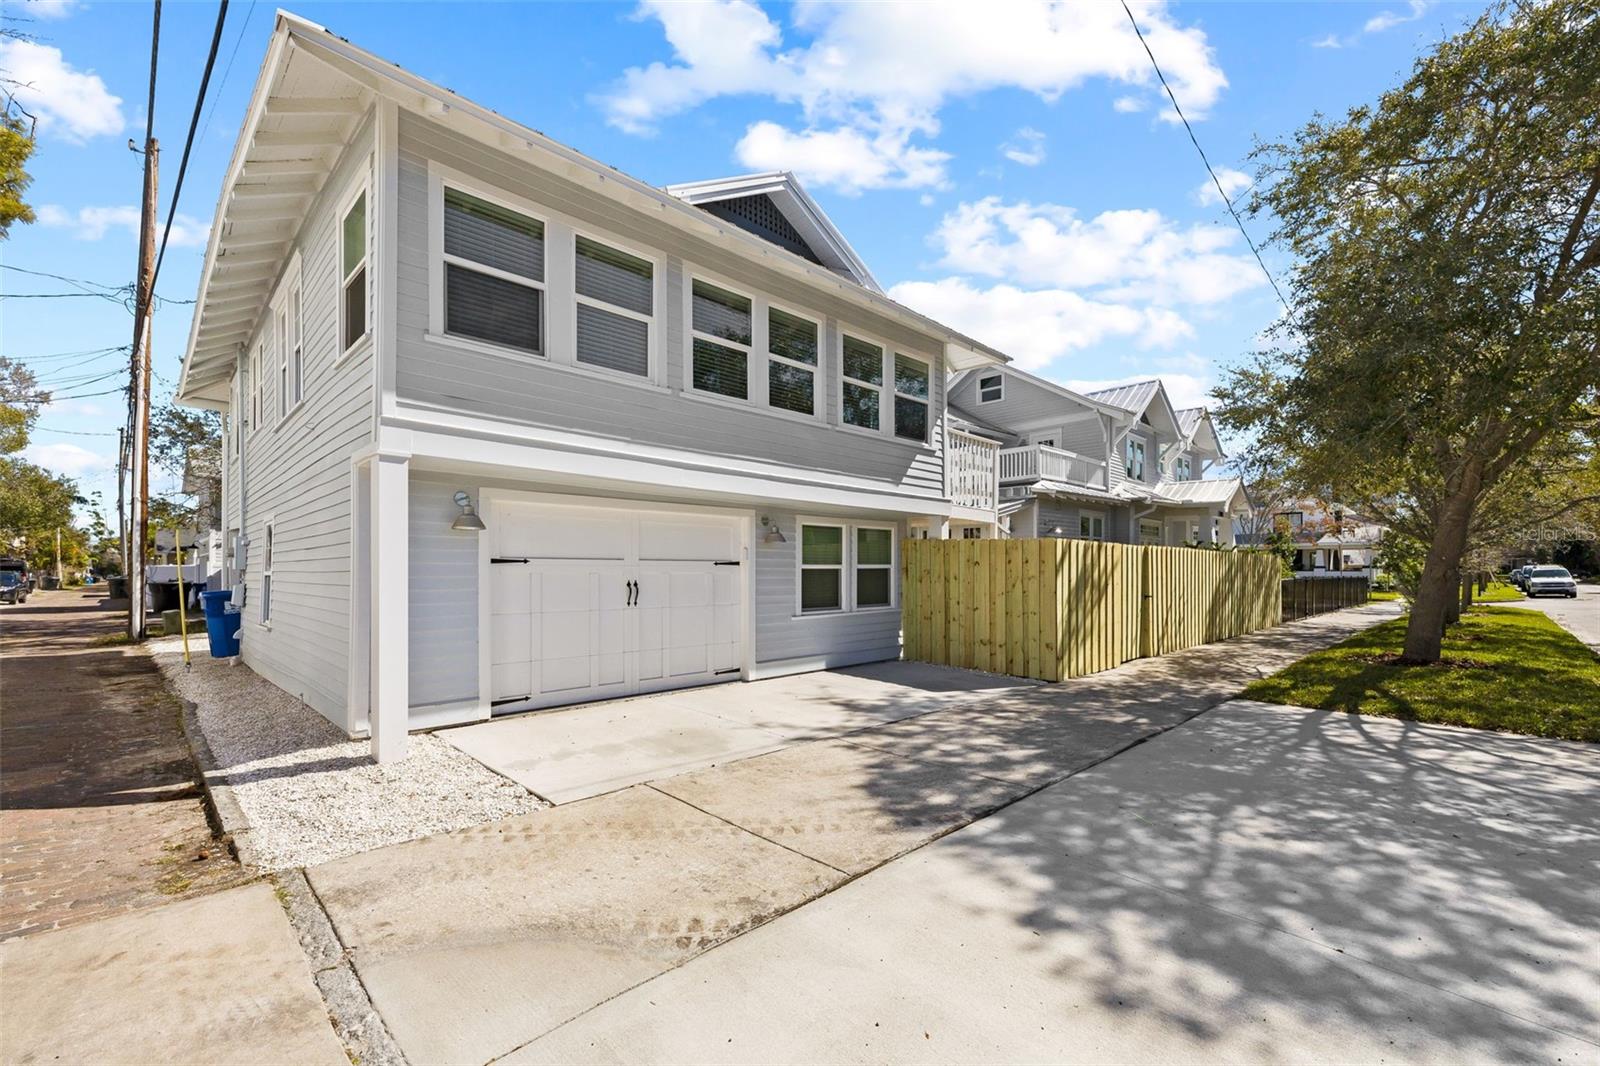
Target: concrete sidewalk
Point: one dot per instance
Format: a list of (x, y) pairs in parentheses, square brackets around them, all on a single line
[(219, 978), (474, 943), (1265, 884)]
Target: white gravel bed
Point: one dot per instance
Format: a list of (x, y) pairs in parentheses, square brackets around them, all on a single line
[(310, 793)]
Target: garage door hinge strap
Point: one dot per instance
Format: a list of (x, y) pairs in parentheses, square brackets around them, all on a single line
[(509, 559), (729, 670), (511, 699), (727, 562)]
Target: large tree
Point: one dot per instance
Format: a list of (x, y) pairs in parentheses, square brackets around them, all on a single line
[(20, 402), (1444, 308)]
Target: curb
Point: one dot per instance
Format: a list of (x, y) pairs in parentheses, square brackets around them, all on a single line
[(221, 806)]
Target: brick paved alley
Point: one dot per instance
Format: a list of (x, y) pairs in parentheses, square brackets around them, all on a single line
[(100, 809)]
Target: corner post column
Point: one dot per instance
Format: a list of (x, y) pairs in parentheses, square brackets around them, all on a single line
[(391, 615)]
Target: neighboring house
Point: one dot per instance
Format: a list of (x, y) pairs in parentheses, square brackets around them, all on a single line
[(1329, 538), (512, 429), (1119, 464)]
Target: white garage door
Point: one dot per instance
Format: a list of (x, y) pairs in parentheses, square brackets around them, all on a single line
[(595, 601)]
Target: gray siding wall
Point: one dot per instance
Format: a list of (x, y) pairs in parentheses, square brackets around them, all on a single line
[(1024, 401), (297, 473), (444, 598), (533, 392)]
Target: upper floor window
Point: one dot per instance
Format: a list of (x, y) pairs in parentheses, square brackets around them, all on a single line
[(1183, 470), (991, 388), (255, 388), (616, 308), (289, 345), (911, 385), (353, 314), (1133, 459), (862, 398), (721, 325), (493, 273), (791, 362)]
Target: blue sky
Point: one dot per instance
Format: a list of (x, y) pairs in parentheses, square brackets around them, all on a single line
[(1011, 169)]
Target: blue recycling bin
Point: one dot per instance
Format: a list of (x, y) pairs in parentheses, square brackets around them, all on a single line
[(222, 623)]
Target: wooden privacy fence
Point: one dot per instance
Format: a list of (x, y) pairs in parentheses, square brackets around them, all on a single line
[(1306, 596), (1053, 609)]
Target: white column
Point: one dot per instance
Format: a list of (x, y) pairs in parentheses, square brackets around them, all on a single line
[(391, 621)]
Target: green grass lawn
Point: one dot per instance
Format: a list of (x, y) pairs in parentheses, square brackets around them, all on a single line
[(1499, 592), (1382, 595), (1506, 669)]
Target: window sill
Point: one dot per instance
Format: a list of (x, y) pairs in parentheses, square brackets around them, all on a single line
[(517, 355), (362, 346), (844, 613), (288, 415), (751, 406), (886, 438)]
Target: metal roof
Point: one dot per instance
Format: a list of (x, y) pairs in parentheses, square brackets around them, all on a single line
[(1133, 397)]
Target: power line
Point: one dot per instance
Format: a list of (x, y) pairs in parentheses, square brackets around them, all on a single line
[(226, 70), (194, 121), (62, 277), (1226, 202), (74, 432)]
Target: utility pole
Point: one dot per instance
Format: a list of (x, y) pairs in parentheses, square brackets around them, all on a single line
[(122, 471), (58, 557), (139, 527)]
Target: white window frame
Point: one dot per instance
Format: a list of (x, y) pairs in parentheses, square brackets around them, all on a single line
[(255, 386), (842, 566), (849, 596), (1182, 469), (361, 185), (1133, 446), (288, 333), (893, 566), (652, 321), (885, 388), (1143, 524), (1092, 517), (438, 259), (758, 341), (268, 536), (818, 391), (999, 387), (895, 395)]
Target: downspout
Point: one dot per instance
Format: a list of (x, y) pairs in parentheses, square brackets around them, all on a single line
[(241, 555)]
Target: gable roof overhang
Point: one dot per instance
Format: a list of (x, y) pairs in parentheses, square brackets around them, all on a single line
[(1081, 399), (292, 137), (1140, 399), (1200, 433), (797, 206)]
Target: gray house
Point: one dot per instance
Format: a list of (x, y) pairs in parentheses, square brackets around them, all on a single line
[(1120, 464), (508, 429)]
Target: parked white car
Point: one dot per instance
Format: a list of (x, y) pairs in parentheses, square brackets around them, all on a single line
[(1551, 581)]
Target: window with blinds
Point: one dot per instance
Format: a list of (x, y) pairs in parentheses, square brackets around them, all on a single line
[(874, 565), (791, 362), (616, 304), (910, 398), (493, 273), (863, 383), (721, 340)]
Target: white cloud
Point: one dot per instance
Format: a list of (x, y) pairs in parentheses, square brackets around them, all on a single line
[(1036, 327), (849, 159), (870, 74), (926, 199), (1127, 254), (1026, 147), (74, 104), (68, 459), (1233, 183), (50, 9), (1330, 41), (1127, 105), (93, 223), (1183, 390), (1388, 20)]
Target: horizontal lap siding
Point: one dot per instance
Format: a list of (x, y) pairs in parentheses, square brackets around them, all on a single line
[(537, 394), (1021, 401), (298, 474), (782, 635), (444, 595)]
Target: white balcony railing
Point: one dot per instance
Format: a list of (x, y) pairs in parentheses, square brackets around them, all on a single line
[(1036, 462), (973, 464)]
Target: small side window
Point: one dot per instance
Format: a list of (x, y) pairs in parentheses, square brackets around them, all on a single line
[(991, 388), (266, 578), (353, 271)]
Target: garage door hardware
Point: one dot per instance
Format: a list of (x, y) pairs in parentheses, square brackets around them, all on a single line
[(729, 670), (510, 699), (633, 593), (509, 559), (726, 562)]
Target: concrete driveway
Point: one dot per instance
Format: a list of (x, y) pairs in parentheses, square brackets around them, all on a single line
[(477, 943), (578, 752), (1261, 884)]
